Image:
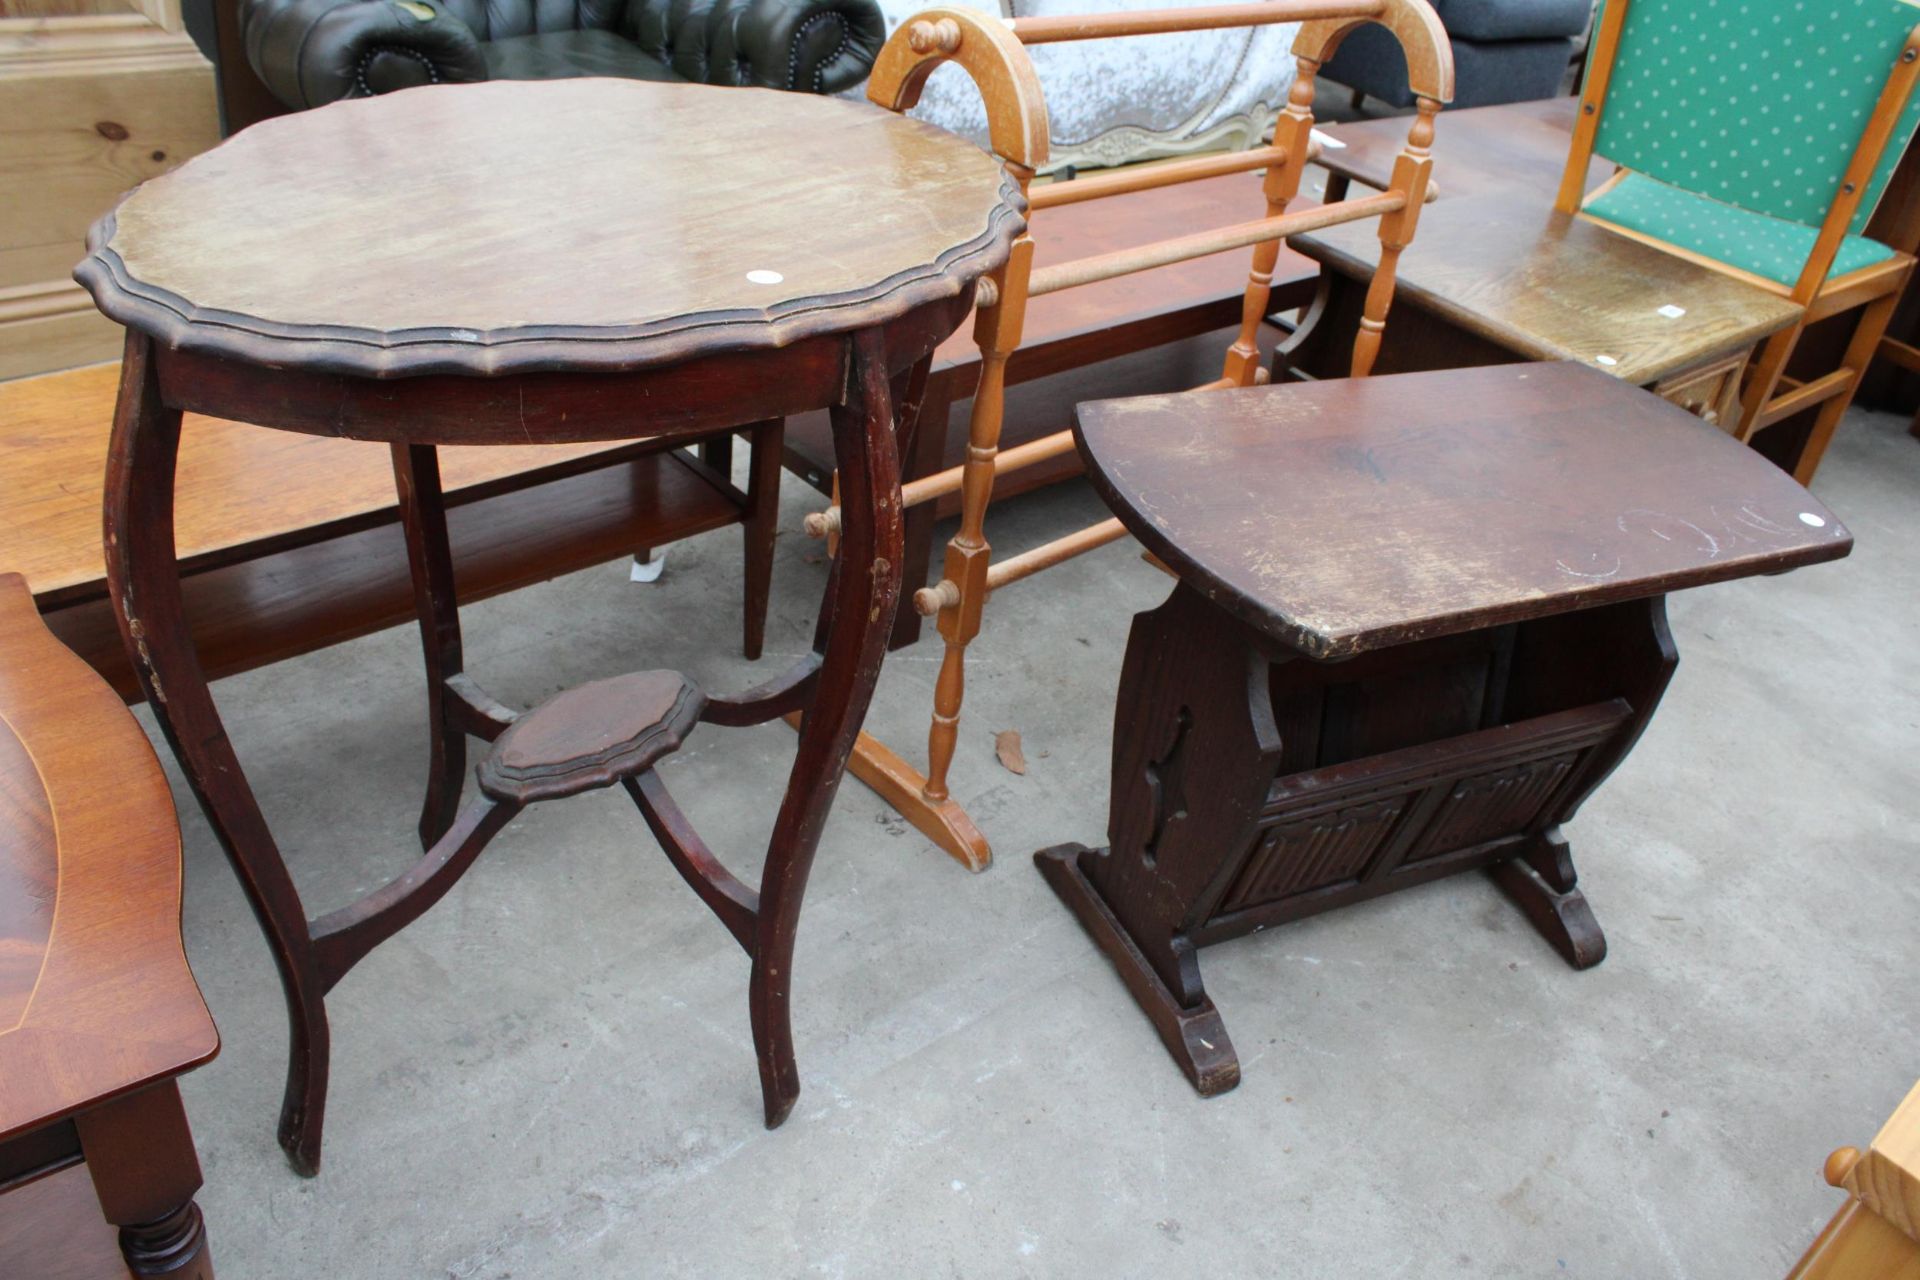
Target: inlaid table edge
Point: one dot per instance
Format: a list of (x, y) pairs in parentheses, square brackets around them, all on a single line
[(163, 971)]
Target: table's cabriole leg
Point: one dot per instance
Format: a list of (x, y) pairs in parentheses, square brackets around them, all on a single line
[(144, 581), (865, 589), (762, 520), (423, 519), (924, 455)]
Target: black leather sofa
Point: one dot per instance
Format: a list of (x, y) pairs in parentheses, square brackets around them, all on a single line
[(311, 52)]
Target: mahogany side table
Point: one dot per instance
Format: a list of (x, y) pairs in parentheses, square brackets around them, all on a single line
[(581, 260), (98, 1011), (1418, 619)]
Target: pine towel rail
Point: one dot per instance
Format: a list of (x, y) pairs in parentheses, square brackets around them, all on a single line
[(993, 53)]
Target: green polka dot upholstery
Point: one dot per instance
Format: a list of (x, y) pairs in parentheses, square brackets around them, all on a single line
[(1773, 248), (1756, 104)]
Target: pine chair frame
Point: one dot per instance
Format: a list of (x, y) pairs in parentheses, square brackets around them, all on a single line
[(993, 53), (1769, 395)]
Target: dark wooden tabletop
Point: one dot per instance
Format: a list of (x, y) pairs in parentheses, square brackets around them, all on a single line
[(1493, 257), (1343, 516), (95, 995), (579, 224)]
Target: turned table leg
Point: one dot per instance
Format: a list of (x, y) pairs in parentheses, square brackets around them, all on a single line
[(864, 591), (139, 1152), (144, 584)]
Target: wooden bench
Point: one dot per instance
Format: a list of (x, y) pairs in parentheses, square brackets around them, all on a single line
[(316, 557)]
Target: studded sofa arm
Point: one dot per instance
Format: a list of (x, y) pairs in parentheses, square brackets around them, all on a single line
[(814, 46), (311, 52)]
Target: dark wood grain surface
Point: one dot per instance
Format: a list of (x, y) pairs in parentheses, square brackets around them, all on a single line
[(1349, 515), (535, 240), (97, 998)]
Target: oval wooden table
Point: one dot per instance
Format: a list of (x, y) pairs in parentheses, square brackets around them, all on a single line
[(99, 1013), (700, 259)]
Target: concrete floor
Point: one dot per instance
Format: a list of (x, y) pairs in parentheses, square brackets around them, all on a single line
[(550, 1075)]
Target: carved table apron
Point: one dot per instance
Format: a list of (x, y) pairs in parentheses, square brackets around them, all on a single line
[(560, 292)]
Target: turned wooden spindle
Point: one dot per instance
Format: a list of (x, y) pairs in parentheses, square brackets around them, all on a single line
[(929, 601), (820, 524), (997, 331), (1411, 170), (1839, 1165), (1292, 133), (940, 36)]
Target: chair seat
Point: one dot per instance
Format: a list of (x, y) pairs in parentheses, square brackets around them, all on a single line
[(1771, 248), (563, 55)]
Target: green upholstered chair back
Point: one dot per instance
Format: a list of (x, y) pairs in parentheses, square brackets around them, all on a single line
[(1756, 103)]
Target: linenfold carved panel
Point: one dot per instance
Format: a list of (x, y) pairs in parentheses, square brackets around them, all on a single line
[(1492, 805), (1312, 853), (1361, 819)]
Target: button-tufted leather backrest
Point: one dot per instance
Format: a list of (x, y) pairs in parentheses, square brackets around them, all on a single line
[(673, 31), (504, 19)]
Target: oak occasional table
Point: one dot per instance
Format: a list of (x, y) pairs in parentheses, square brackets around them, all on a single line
[(1418, 619), (1497, 275), (701, 259), (98, 1011)]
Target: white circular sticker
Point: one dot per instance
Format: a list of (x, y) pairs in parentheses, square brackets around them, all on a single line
[(763, 276), (1807, 517), (1609, 361)]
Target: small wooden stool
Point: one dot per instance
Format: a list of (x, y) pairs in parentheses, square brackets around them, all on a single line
[(1418, 620), (99, 1014)]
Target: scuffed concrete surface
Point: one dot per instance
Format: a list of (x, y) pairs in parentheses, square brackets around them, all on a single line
[(550, 1075)]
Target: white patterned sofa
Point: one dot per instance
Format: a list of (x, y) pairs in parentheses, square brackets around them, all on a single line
[(1138, 98)]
